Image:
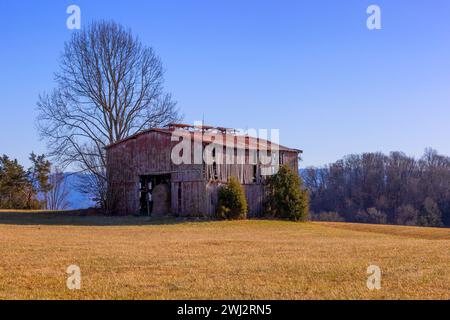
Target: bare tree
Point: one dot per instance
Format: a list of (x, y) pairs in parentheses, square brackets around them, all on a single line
[(109, 87), (57, 196)]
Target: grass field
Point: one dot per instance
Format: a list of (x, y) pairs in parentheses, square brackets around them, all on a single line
[(138, 258)]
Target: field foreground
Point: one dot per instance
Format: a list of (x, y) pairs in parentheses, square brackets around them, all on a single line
[(138, 258)]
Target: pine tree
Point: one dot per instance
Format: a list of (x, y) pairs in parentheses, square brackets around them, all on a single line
[(14, 184), (232, 203), (20, 188), (38, 175), (287, 199)]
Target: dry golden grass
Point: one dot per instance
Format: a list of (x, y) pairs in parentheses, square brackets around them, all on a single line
[(137, 258)]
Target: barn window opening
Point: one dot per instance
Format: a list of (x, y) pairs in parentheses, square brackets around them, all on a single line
[(148, 185), (215, 173), (214, 165), (255, 173)]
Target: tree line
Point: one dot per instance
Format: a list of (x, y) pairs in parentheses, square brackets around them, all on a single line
[(38, 187), (385, 189)]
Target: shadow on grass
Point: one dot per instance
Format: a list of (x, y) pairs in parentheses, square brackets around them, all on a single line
[(80, 219)]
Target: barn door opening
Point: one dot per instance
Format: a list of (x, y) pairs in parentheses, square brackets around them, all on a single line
[(154, 194)]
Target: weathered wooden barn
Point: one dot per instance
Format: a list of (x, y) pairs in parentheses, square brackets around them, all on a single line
[(145, 179)]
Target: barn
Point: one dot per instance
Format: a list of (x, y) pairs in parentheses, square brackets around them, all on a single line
[(159, 171)]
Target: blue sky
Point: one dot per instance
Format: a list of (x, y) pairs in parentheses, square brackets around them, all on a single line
[(310, 68)]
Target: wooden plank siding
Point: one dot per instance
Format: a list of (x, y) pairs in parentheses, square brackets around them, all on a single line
[(149, 154)]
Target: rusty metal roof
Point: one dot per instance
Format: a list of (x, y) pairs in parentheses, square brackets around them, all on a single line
[(208, 136)]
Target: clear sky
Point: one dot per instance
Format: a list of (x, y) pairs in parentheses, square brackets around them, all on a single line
[(310, 68)]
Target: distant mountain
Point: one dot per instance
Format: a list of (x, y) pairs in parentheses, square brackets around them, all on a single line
[(77, 199)]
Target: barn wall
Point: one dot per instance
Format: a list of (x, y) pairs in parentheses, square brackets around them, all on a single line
[(150, 154), (245, 172), (291, 159), (122, 176), (254, 193), (147, 154), (193, 199)]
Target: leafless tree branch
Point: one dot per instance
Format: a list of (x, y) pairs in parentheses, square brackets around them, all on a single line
[(109, 87)]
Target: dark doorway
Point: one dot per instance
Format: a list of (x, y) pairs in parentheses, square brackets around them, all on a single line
[(148, 184)]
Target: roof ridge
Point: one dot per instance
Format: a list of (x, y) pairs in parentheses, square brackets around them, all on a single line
[(170, 131)]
